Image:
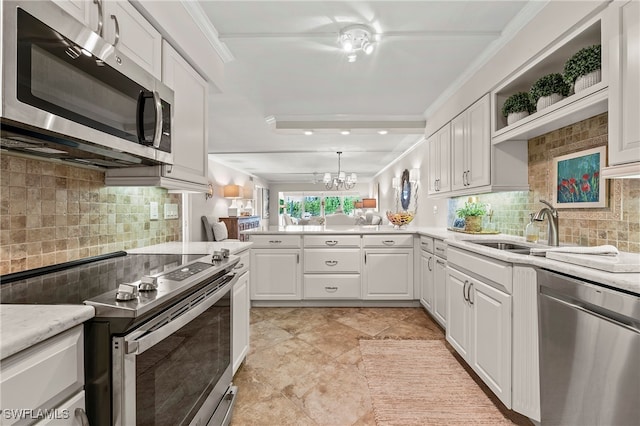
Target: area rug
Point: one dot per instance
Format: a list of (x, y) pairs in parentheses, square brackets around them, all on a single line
[(419, 382)]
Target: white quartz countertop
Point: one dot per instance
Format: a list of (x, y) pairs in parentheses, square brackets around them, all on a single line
[(22, 326), (347, 230), (196, 247)]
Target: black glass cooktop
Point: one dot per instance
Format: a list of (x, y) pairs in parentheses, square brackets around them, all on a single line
[(79, 282)]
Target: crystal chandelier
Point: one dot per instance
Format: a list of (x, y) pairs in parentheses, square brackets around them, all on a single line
[(341, 180)]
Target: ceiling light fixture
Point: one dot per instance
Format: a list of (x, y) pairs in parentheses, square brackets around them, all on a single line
[(383, 132), (345, 132), (357, 38), (308, 132), (341, 180)]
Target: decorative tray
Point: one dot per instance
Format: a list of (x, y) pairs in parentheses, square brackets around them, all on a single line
[(485, 232)]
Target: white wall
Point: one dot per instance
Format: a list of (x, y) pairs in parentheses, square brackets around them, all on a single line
[(219, 175)]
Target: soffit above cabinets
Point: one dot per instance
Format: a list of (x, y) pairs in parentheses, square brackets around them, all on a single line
[(289, 75)]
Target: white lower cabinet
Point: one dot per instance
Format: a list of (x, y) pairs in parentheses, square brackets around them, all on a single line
[(440, 291), (276, 274), (479, 328), (241, 302), (46, 376), (388, 274), (69, 413), (426, 280)]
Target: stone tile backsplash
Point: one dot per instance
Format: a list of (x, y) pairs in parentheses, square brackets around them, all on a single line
[(617, 224), (52, 213)]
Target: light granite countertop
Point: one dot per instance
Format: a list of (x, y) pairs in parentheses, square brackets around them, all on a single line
[(22, 326), (196, 247), (570, 264)]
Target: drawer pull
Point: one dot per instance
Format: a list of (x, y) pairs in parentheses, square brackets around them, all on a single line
[(81, 416), (331, 289), (331, 262), (239, 266), (331, 242), (388, 242), (275, 241), (439, 249)]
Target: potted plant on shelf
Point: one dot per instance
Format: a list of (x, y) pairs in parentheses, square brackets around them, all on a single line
[(548, 90), (517, 107), (472, 213), (583, 69)]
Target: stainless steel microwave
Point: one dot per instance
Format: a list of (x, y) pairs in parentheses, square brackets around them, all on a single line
[(69, 94)]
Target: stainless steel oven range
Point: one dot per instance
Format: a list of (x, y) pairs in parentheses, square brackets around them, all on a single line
[(158, 351)]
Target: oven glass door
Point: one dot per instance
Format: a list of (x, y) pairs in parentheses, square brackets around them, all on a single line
[(177, 374), (56, 75)]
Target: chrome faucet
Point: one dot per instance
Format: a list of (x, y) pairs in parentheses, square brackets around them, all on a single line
[(552, 216)]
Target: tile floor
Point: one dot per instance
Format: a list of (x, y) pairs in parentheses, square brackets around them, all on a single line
[(305, 368)]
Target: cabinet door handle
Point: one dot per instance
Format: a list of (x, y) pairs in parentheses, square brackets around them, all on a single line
[(365, 258), (464, 290), (429, 263), (239, 266), (331, 289), (331, 262), (469, 293), (117, 25), (331, 242), (388, 242), (100, 17), (81, 416), (275, 241), (297, 258)]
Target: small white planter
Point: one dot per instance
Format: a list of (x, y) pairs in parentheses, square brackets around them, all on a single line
[(515, 116), (587, 80), (547, 101)]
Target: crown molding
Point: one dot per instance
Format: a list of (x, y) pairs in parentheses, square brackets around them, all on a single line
[(202, 21)]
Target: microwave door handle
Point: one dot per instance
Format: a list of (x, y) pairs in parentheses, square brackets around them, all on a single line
[(140, 116), (157, 136)]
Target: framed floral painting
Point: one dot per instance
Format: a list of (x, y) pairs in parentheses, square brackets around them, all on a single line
[(577, 182)]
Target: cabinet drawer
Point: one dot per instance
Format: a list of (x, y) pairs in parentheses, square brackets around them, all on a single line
[(244, 263), (332, 286), (440, 248), (426, 244), (69, 406), (332, 261), (332, 241), (275, 241), (495, 272), (388, 240), (55, 368)]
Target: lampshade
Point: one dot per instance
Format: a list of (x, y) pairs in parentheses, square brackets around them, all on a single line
[(231, 191), (369, 203)]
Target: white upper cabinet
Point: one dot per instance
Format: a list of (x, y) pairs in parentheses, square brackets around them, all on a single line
[(623, 33), (130, 33), (471, 147), (189, 137), (439, 159), (120, 24)]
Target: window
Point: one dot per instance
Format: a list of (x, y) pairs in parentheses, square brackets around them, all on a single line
[(315, 204)]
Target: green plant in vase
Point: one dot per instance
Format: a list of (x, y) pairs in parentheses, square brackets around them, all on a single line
[(472, 214), (548, 90), (583, 69), (517, 107)]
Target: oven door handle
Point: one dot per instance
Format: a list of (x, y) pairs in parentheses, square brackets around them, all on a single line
[(137, 345)]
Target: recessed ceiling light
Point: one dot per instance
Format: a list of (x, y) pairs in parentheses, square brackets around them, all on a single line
[(308, 132), (352, 57), (345, 132), (383, 132)]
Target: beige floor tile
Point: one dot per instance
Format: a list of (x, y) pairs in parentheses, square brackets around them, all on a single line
[(264, 334), (333, 338), (301, 320), (367, 324)]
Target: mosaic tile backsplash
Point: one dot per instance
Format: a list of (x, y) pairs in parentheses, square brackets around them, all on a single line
[(617, 224), (52, 213)]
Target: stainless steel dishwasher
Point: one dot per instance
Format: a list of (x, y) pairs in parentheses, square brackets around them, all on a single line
[(589, 352)]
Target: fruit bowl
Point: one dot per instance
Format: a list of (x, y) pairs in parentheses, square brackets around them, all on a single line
[(400, 219)]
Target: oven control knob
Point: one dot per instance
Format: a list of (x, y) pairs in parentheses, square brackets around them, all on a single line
[(148, 283), (126, 292)]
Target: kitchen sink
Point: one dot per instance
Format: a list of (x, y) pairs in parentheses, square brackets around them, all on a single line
[(504, 245)]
